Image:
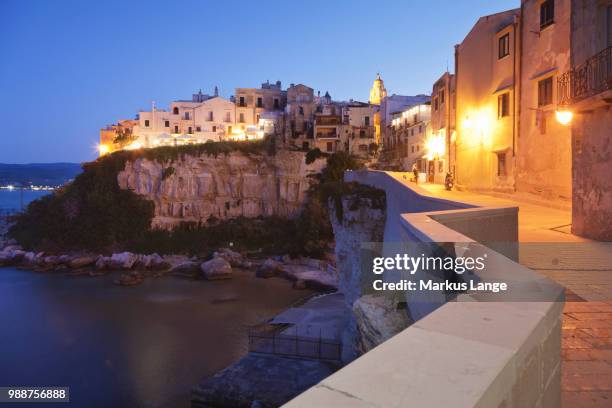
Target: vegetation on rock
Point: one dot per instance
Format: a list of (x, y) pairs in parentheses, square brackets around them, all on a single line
[(93, 213)]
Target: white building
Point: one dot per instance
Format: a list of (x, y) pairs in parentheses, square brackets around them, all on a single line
[(396, 103)]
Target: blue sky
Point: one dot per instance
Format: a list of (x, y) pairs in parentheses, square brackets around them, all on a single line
[(68, 68)]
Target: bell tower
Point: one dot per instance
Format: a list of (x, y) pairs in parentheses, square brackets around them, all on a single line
[(378, 91)]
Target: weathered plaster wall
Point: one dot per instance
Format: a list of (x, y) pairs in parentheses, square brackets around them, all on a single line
[(481, 78), (222, 187), (592, 181), (544, 146)]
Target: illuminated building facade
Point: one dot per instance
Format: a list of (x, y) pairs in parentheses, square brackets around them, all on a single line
[(486, 65), (544, 154), (585, 97), (443, 114), (299, 116)]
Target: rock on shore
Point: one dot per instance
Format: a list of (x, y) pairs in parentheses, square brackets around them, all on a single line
[(216, 268)]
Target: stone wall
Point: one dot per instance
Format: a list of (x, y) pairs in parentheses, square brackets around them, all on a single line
[(468, 354), (200, 188), (592, 183)]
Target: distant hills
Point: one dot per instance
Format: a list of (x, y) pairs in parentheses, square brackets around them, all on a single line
[(46, 174)]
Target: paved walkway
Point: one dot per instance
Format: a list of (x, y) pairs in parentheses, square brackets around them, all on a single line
[(584, 268)]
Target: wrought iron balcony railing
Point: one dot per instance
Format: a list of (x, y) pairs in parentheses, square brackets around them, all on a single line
[(590, 78)]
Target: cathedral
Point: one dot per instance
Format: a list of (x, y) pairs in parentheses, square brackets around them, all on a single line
[(378, 91)]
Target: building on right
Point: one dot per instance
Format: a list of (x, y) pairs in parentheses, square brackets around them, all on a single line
[(584, 104), (544, 155)]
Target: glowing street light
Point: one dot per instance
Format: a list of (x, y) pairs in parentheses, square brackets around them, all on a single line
[(435, 146), (564, 117), (103, 149)]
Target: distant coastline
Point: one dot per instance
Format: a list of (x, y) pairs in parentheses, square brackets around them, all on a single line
[(11, 187), (37, 176)]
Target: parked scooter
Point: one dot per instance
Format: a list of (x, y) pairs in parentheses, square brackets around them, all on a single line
[(449, 181)]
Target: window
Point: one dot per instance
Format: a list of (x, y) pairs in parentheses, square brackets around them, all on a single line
[(545, 92), (441, 96), (367, 120), (189, 130), (259, 102), (198, 128), (362, 134), (175, 110), (412, 148), (214, 129), (501, 164), (435, 103), (241, 103), (228, 117), (420, 128), (276, 106), (305, 145), (210, 116), (241, 120), (363, 148), (146, 122), (301, 110), (547, 13), (186, 115), (176, 129), (440, 167), (167, 123), (330, 147), (412, 132), (503, 105), (609, 24), (504, 46), (229, 130)]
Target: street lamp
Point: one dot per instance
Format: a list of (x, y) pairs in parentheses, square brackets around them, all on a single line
[(564, 117)]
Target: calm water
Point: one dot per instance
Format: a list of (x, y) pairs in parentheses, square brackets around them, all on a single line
[(143, 346), (12, 199), (117, 346)]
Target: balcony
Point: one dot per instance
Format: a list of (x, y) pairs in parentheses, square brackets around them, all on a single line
[(593, 77)]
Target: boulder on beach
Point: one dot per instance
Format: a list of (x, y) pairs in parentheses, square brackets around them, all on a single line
[(10, 256), (152, 261), (82, 261), (51, 260), (216, 268), (186, 268), (102, 262), (123, 260), (269, 269), (234, 258)]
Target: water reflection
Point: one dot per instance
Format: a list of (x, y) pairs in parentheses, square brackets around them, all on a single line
[(135, 346)]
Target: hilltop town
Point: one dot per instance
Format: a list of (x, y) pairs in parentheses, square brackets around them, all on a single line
[(510, 119)]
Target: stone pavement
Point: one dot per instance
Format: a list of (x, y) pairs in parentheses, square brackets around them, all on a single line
[(585, 270)]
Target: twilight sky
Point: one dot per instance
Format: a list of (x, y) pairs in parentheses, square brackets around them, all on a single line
[(68, 68)]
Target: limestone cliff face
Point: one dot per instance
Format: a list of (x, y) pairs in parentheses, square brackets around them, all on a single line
[(222, 187), (358, 223)]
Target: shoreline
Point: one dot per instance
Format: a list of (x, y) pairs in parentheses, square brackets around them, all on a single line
[(308, 273)]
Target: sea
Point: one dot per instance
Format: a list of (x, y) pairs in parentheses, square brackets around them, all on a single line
[(115, 346)]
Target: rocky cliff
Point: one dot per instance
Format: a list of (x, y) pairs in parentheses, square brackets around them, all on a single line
[(201, 188)]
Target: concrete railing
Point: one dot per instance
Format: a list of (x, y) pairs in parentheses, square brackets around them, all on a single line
[(469, 353)]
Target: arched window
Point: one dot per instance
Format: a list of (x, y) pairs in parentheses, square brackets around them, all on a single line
[(175, 110)]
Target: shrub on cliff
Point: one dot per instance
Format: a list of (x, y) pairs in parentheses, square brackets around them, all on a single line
[(90, 213), (313, 226)]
